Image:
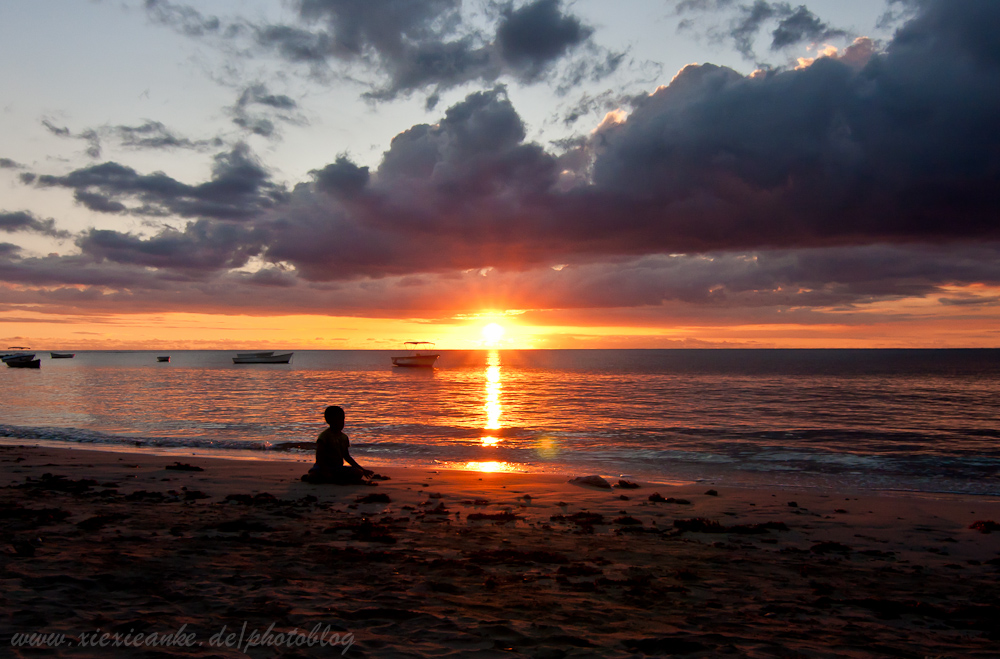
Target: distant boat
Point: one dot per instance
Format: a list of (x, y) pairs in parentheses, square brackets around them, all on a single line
[(62, 355), (419, 357), (21, 352), (262, 358), (164, 358), (17, 356), (25, 361)]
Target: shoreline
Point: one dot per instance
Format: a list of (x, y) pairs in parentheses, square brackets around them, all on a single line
[(819, 482), (433, 562)]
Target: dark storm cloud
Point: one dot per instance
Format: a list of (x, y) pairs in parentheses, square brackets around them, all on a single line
[(894, 147), (826, 185), (202, 245), (11, 222), (765, 286), (7, 250), (342, 178), (240, 187), (830, 277), (537, 34)]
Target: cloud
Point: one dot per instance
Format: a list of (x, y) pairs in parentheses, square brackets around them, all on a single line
[(341, 178), (203, 245), (240, 187), (149, 135), (185, 19), (8, 250), (404, 47), (766, 286), (856, 178), (257, 109), (801, 25), (7, 163), (858, 148), (792, 25), (25, 221), (533, 36)]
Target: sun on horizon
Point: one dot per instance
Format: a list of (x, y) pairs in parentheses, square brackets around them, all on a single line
[(493, 333)]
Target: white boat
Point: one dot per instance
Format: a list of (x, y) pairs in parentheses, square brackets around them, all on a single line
[(262, 358), (421, 355)]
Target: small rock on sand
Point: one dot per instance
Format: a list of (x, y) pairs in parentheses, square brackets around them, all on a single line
[(591, 481)]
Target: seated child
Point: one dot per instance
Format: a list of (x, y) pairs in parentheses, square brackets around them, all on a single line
[(332, 449)]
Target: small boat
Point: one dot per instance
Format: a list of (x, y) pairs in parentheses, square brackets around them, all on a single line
[(262, 358), (21, 352), (419, 355), (17, 357), (25, 362), (163, 358), (62, 355)]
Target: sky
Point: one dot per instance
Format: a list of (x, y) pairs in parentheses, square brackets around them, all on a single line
[(327, 174)]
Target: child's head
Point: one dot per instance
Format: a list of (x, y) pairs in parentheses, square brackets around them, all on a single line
[(334, 415)]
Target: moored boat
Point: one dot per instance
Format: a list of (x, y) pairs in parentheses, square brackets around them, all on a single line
[(163, 358), (21, 351), (17, 357), (421, 355), (62, 355), (23, 362), (262, 358)]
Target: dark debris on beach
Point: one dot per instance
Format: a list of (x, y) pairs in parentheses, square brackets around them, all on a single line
[(412, 581)]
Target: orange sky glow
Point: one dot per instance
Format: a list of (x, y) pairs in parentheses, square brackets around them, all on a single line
[(910, 323)]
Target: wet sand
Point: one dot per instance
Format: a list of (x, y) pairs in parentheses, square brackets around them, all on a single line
[(467, 564)]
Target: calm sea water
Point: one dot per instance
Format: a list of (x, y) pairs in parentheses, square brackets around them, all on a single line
[(922, 420)]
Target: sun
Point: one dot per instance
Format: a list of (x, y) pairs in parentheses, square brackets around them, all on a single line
[(493, 333)]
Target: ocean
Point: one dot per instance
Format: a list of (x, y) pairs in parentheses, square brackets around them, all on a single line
[(917, 420)]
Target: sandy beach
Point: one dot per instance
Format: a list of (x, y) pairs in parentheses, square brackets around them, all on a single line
[(111, 554)]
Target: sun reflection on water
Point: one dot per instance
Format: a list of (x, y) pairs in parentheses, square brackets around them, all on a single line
[(492, 405), (490, 467)]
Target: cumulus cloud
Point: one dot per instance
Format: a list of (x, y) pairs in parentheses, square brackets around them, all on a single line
[(864, 175), (858, 148)]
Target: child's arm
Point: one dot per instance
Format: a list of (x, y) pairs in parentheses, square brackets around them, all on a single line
[(351, 461)]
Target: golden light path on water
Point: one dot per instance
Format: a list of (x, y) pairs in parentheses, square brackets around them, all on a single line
[(494, 411)]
